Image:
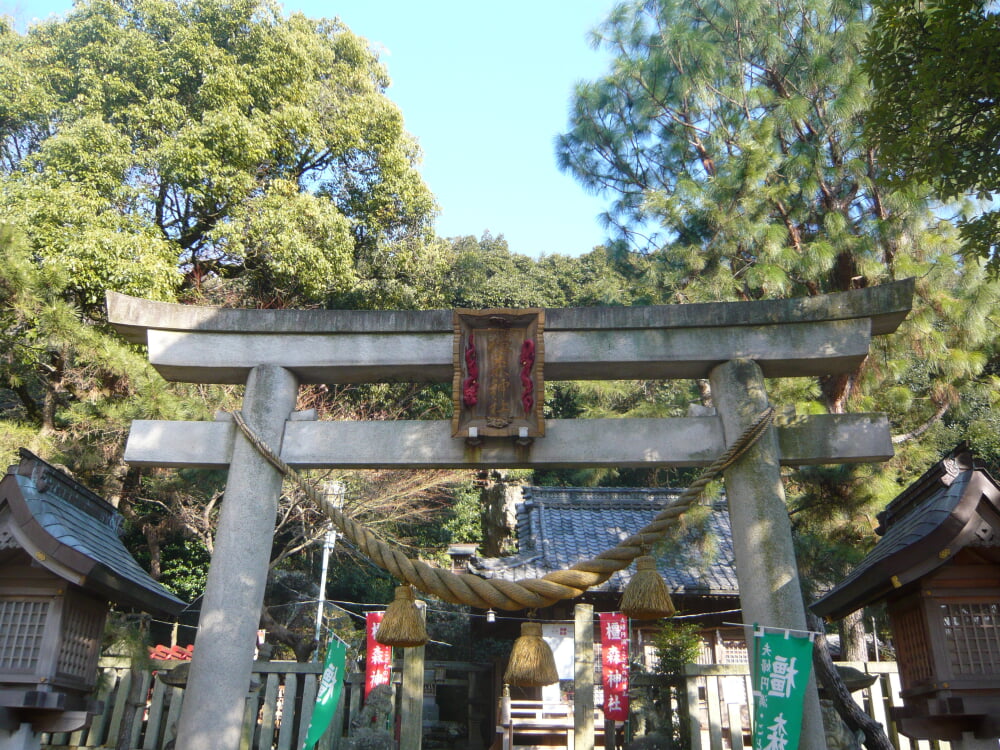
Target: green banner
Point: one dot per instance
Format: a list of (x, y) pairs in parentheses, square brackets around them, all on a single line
[(330, 686), (782, 664)]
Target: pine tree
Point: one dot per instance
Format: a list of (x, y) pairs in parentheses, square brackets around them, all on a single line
[(728, 136)]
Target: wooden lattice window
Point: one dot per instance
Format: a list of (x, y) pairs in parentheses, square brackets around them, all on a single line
[(734, 651), (972, 635), (22, 627), (80, 640), (913, 650)]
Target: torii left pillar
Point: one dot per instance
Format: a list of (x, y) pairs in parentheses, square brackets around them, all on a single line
[(234, 593)]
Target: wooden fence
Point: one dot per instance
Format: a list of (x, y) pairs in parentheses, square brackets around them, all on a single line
[(718, 695), (268, 723), (721, 719)]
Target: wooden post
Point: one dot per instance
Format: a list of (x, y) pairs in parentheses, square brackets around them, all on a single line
[(505, 721), (770, 593), (411, 725), (337, 725), (354, 709), (583, 678), (212, 715), (473, 713)]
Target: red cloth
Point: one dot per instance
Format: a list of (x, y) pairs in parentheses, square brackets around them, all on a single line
[(378, 659), (614, 665)]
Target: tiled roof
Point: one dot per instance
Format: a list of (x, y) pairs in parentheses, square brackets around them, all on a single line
[(560, 526), (70, 524), (929, 523)]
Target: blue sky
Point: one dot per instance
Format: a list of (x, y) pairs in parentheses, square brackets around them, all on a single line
[(485, 88)]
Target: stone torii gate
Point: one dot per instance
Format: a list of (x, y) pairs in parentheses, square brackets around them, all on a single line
[(735, 345)]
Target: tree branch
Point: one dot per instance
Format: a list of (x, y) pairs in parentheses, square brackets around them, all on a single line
[(827, 675), (907, 436)]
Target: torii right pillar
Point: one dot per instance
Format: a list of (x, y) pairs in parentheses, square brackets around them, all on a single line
[(768, 576)]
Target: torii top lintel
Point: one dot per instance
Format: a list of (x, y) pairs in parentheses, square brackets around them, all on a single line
[(806, 336)]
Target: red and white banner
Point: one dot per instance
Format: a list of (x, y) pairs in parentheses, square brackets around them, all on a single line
[(378, 658), (614, 665)]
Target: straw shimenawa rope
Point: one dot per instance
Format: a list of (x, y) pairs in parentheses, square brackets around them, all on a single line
[(492, 593)]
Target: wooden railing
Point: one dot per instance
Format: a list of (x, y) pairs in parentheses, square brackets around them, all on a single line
[(719, 714), (717, 709), (268, 723), (527, 723)]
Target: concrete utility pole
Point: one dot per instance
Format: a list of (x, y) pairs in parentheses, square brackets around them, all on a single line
[(336, 491)]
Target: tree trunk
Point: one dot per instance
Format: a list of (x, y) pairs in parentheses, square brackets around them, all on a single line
[(836, 390), (853, 643), (302, 645), (493, 512), (152, 534), (704, 391), (122, 482), (829, 678)]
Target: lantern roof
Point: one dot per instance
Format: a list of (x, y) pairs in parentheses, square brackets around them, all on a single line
[(74, 533), (954, 505)]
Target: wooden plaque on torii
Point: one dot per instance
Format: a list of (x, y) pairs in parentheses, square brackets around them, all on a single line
[(498, 384)]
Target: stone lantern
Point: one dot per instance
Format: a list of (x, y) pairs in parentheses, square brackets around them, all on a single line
[(61, 563), (937, 568)]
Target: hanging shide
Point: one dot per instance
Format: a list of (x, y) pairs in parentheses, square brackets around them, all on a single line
[(531, 661), (402, 625), (646, 597)]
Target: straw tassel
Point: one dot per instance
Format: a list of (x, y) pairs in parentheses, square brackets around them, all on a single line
[(402, 624), (646, 597), (531, 661)]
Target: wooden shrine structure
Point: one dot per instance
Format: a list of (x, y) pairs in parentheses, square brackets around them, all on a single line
[(736, 346), (937, 568), (62, 564)]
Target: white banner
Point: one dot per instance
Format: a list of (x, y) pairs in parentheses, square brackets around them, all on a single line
[(559, 636)]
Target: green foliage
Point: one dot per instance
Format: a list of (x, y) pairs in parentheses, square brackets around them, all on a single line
[(355, 580), (485, 273), (126, 635), (201, 150), (158, 144), (184, 568), (934, 112), (676, 644), (56, 368), (731, 133), (745, 160), (464, 524)]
